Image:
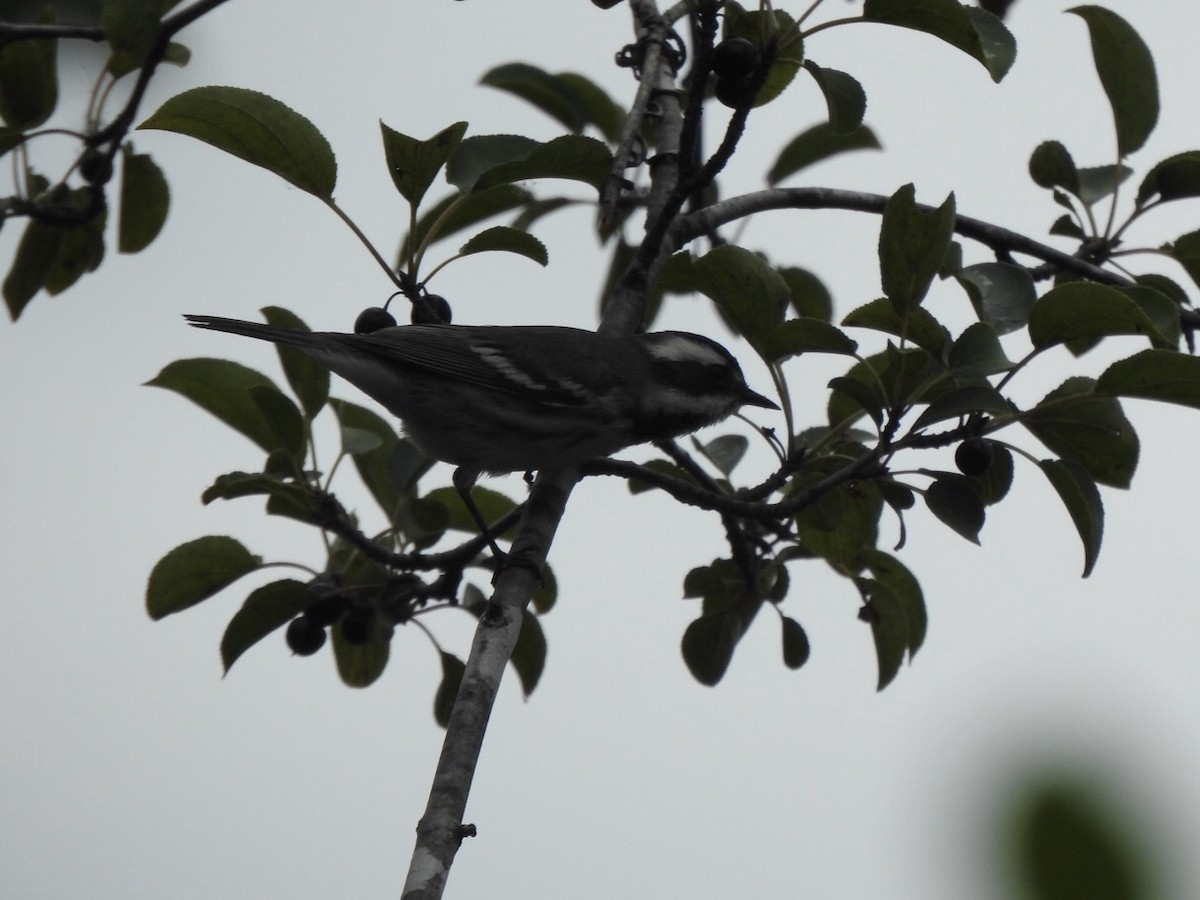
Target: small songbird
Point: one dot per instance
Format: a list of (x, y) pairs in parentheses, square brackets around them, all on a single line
[(522, 398)]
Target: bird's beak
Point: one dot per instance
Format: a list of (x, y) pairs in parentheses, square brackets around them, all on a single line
[(752, 398)]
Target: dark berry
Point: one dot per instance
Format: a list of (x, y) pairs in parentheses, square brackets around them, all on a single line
[(305, 636), (974, 456), (430, 309), (95, 166), (373, 318), (736, 94), (734, 59)]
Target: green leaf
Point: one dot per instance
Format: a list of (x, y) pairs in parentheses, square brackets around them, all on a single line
[(724, 452), (845, 98), (889, 628), (1126, 70), (1175, 178), (1002, 294), (818, 143), (284, 497), (81, 248), (746, 289), (963, 401), (131, 27), (1154, 375), (372, 464), (912, 244), (995, 483), (889, 378), (413, 164), (308, 379), (795, 643), (195, 571), (572, 157), (975, 32), (145, 199), (284, 419), (476, 155), (978, 350), (1079, 495), (32, 263), (529, 653), (1185, 250), (842, 524), (810, 298), (904, 587), (1098, 182), (918, 326), (805, 335), (254, 127), (508, 240), (459, 212), (708, 644), (447, 692), (956, 504), (1051, 166), (358, 665), (267, 609), (546, 593), (544, 91), (227, 390), (29, 80), (1081, 309), (1077, 424)]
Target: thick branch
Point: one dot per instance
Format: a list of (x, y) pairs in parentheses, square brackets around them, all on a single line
[(694, 225)]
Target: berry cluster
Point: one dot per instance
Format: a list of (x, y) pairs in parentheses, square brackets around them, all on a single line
[(735, 63)]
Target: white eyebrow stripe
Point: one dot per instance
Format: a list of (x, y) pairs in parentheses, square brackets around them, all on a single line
[(677, 349)]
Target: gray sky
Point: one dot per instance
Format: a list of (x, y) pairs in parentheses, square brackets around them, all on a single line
[(128, 763)]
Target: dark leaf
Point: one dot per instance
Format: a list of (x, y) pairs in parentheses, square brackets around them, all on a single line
[(1088, 428), (266, 609), (952, 499), (975, 32), (1079, 495), (1154, 375), (806, 335), (818, 143), (508, 240), (414, 164), (529, 653), (195, 571), (308, 379), (795, 643), (359, 665), (845, 98), (447, 692), (145, 199), (912, 244)]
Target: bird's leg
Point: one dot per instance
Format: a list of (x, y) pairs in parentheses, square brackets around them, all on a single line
[(464, 480)]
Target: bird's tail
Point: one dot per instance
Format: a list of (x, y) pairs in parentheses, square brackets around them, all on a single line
[(254, 330)]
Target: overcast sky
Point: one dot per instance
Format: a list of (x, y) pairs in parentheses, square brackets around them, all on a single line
[(128, 764)]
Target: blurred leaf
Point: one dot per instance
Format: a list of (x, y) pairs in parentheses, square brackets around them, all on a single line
[(818, 143), (492, 505), (978, 350), (746, 289), (195, 571), (29, 79), (1098, 182), (459, 212), (1126, 70), (1002, 294), (145, 199), (795, 643), (889, 628), (810, 298), (708, 644), (131, 27), (962, 401), (599, 108), (447, 692), (254, 127), (529, 653), (358, 665), (1051, 166), (843, 523), (308, 379), (546, 92), (572, 157), (904, 587), (268, 608), (1185, 250), (724, 452), (477, 154), (414, 164)]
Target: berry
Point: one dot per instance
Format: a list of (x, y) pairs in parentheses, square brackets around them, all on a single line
[(431, 309), (734, 59), (736, 94), (95, 166), (326, 611), (305, 636), (373, 318), (974, 456)]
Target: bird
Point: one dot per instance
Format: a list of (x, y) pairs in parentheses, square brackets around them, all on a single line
[(492, 399)]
